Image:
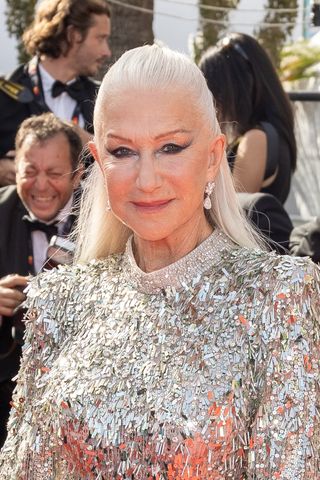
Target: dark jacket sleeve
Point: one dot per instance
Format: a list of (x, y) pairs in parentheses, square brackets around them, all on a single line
[(305, 240), (270, 217), (13, 112), (13, 259)]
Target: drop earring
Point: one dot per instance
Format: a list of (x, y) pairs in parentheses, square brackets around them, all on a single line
[(208, 192), (108, 208)]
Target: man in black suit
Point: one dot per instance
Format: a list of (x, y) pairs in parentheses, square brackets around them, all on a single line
[(69, 43), (38, 207)]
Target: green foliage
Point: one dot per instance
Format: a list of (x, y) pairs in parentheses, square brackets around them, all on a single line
[(299, 60), (19, 15)]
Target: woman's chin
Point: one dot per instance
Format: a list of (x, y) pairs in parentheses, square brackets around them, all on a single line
[(151, 236)]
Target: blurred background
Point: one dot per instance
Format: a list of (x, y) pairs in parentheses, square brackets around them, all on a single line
[(186, 25), (287, 29)]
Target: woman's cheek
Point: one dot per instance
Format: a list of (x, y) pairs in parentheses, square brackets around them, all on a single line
[(119, 182)]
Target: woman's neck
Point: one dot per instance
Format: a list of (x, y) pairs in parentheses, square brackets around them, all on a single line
[(154, 255)]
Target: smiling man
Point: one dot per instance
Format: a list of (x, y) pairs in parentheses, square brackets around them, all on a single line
[(38, 207), (69, 43)]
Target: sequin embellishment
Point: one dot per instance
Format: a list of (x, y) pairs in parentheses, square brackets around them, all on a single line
[(208, 370)]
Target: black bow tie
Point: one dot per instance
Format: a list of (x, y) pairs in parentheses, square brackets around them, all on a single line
[(74, 89), (33, 225)]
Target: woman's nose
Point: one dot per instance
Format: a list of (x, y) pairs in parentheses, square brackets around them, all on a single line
[(148, 177)]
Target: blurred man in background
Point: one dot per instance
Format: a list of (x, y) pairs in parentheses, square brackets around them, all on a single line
[(38, 207), (69, 43)]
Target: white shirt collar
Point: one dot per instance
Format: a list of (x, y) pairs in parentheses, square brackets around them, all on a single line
[(48, 80)]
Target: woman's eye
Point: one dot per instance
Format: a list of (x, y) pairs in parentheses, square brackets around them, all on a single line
[(121, 152), (172, 148)]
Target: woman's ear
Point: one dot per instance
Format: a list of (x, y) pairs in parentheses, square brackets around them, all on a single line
[(94, 152), (216, 154)]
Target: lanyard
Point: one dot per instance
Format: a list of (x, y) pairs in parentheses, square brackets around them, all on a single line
[(37, 89), (31, 270)]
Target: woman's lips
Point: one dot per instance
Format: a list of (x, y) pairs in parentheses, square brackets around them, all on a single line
[(151, 206)]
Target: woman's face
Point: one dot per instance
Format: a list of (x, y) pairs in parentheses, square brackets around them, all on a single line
[(157, 154)]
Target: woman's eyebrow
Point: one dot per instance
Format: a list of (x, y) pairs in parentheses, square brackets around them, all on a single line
[(118, 137), (157, 137), (172, 132)]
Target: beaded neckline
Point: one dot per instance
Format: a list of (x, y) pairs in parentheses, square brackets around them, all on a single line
[(207, 254)]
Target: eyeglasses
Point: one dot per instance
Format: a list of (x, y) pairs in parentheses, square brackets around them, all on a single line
[(229, 42)]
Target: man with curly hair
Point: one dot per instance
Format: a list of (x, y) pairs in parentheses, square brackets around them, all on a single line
[(68, 42)]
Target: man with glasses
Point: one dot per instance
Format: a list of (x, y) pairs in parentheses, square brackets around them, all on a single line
[(38, 207)]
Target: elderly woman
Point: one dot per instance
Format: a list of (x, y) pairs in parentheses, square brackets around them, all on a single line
[(175, 348)]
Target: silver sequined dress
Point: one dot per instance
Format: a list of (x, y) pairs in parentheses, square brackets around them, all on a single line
[(205, 370)]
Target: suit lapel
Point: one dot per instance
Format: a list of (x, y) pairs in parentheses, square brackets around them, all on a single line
[(19, 243)]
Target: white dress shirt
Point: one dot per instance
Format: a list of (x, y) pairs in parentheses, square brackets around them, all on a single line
[(39, 239), (62, 106)]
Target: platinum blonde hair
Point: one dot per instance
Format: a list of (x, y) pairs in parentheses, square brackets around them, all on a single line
[(99, 232)]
